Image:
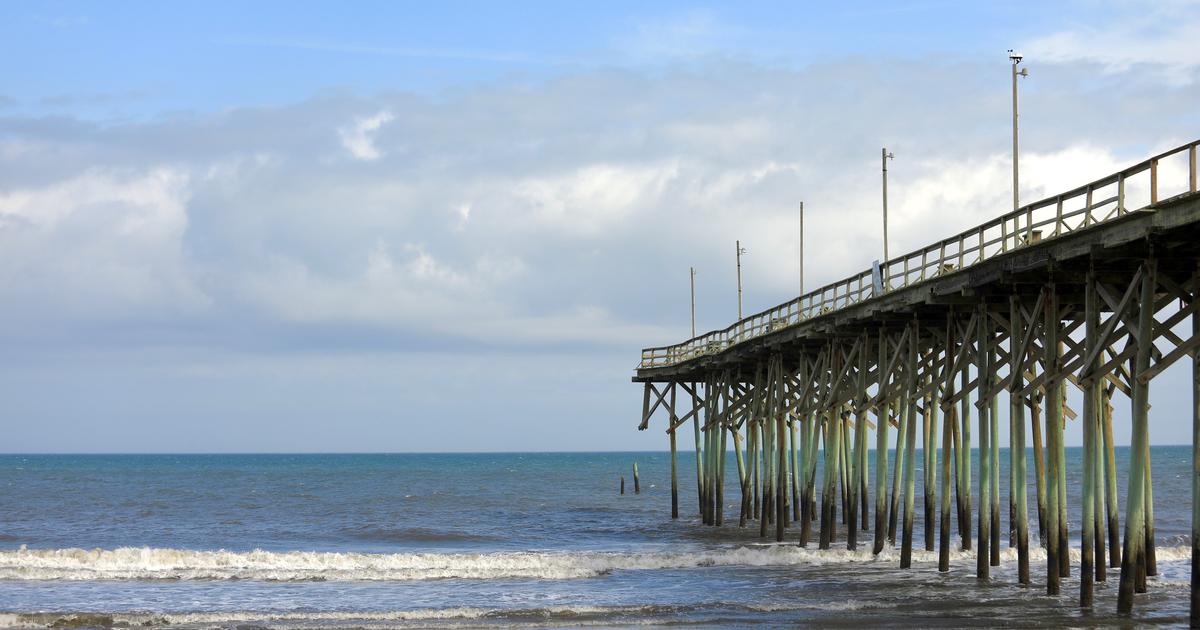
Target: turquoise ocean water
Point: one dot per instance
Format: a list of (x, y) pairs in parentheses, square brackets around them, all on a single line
[(483, 540)]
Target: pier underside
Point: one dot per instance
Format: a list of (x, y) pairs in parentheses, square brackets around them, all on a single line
[(993, 325)]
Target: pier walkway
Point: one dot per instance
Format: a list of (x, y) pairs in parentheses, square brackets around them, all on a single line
[(1096, 289)]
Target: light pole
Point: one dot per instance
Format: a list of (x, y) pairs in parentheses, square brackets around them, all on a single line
[(1016, 60), (802, 248), (740, 251), (692, 273), (886, 156)]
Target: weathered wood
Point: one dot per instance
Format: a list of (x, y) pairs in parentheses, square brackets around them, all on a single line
[(1194, 596), (781, 484), (1110, 481), (1133, 558), (1090, 419), (1039, 466), (944, 532), (1017, 439), (898, 470), (1054, 426), (964, 420), (882, 423), (929, 452), (860, 449), (984, 540), (910, 454)]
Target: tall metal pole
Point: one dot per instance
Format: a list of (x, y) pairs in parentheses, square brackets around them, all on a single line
[(884, 159), (740, 251), (692, 274), (801, 248), (1016, 60)]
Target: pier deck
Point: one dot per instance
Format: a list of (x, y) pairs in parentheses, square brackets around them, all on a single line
[(1096, 288)]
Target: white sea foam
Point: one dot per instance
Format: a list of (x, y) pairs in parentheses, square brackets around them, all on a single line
[(128, 563), (575, 614)]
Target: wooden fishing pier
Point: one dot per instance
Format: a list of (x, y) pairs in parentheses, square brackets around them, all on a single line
[(1096, 289)]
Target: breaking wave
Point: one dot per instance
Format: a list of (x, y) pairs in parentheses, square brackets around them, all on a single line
[(145, 563)]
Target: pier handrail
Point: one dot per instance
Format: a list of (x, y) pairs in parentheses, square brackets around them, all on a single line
[(1045, 219)]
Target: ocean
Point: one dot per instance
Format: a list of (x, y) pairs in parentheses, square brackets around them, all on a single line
[(513, 540)]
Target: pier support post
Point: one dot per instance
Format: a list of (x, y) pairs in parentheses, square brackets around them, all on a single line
[(1050, 327), (1091, 395), (987, 385), (1133, 560), (929, 450), (964, 419), (1039, 465), (781, 512), (910, 455), (1194, 617), (1017, 440), (881, 451), (898, 467), (1112, 507), (674, 470), (858, 483), (699, 450), (983, 356)]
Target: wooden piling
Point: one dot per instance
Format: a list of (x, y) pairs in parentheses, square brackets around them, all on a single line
[(721, 451), (674, 480), (1133, 557), (1039, 466), (1112, 507), (898, 469), (860, 445), (964, 418), (881, 452), (1050, 330), (1194, 598), (1017, 440), (781, 515), (944, 533), (1064, 537), (1091, 396), (795, 464), (910, 455), (929, 455), (699, 450), (1151, 555), (742, 472), (983, 367), (994, 459), (830, 480)]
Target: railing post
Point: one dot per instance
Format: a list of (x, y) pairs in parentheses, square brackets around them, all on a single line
[(1120, 194), (1087, 215), (1153, 182), (1058, 219), (1192, 168)]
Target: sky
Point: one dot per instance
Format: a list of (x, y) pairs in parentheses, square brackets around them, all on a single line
[(402, 226)]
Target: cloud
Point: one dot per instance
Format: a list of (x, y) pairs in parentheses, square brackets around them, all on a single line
[(358, 137), (555, 215), (278, 267), (1155, 37), (104, 244)]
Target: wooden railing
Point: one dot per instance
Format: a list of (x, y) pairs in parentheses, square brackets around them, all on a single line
[(1092, 204)]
